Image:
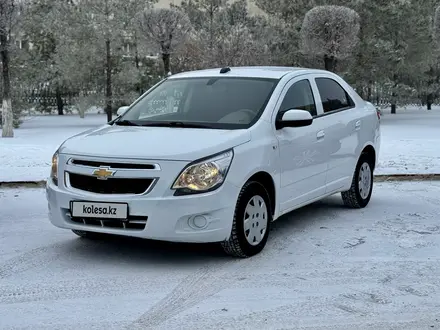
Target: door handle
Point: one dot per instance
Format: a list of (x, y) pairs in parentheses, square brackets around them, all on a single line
[(320, 135), (358, 125)]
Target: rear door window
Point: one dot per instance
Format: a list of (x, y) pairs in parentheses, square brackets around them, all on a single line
[(333, 96)]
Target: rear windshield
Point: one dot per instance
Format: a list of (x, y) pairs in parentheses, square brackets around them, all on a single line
[(220, 102)]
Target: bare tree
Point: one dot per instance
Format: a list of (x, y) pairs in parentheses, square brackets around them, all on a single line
[(331, 32), (168, 29), (7, 15)]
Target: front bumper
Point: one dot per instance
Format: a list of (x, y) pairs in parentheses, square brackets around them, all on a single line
[(167, 219)]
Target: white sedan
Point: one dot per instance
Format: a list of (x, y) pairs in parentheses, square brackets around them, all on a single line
[(216, 156)]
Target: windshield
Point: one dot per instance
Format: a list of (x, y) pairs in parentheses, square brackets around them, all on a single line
[(220, 102)]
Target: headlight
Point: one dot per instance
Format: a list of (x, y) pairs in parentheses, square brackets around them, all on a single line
[(205, 175), (54, 169)]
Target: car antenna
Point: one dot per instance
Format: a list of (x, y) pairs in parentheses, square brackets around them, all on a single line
[(225, 70)]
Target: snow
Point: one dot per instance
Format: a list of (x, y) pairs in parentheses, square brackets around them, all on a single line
[(27, 156), (410, 143), (324, 267)]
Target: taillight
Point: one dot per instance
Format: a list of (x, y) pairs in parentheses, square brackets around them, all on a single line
[(378, 113)]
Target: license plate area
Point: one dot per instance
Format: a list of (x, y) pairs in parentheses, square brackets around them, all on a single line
[(99, 210)]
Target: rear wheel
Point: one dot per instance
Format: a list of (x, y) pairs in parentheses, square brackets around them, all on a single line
[(251, 223), (361, 188)]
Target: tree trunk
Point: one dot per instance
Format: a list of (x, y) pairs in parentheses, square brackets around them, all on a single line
[(7, 114), (330, 63), (136, 52), (137, 61), (394, 95), (360, 91), (108, 90), (166, 63), (393, 108), (369, 91), (429, 101), (60, 103), (136, 58), (211, 32)]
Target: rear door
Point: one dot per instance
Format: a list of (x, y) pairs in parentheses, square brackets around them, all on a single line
[(342, 118)]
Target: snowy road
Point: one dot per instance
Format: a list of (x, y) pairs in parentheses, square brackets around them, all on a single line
[(325, 267)]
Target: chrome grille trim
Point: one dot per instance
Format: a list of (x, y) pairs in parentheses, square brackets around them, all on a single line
[(71, 188), (107, 162)]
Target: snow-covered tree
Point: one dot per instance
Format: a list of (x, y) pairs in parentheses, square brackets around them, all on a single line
[(202, 14), (331, 32), (225, 34), (235, 43), (392, 61), (402, 49), (168, 28), (436, 31), (283, 24), (93, 48), (40, 25)]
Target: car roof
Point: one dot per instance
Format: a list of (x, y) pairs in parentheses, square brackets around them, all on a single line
[(274, 72)]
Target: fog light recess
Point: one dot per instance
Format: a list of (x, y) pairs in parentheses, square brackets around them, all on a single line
[(198, 222)]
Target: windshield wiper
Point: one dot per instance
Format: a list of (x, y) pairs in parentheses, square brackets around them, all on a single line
[(176, 124), (126, 123)]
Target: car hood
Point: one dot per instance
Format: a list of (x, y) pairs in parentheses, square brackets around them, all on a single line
[(162, 143)]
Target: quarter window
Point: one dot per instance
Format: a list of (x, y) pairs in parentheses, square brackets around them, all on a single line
[(333, 96), (299, 97)]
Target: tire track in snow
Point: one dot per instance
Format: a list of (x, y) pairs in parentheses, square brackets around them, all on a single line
[(38, 257), (211, 279), (195, 288), (74, 288)]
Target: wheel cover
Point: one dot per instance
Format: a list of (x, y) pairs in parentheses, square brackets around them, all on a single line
[(364, 180), (255, 220)]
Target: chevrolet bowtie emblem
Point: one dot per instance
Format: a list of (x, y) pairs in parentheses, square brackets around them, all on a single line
[(103, 173)]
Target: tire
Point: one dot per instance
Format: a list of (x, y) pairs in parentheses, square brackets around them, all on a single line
[(88, 234), (360, 192), (241, 243)]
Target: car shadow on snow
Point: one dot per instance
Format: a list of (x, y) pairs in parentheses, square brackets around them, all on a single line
[(115, 249)]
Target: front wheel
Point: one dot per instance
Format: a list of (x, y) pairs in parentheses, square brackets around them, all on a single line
[(361, 188), (251, 223)]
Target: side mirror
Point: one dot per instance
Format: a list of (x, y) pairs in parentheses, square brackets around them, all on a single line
[(122, 110), (294, 118)]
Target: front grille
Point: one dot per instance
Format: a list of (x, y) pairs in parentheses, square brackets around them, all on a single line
[(109, 186), (114, 165), (133, 223)]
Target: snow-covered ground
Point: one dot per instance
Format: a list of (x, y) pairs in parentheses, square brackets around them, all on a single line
[(410, 143), (325, 267), (27, 156)]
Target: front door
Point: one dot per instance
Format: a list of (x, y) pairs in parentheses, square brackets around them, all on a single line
[(303, 166)]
